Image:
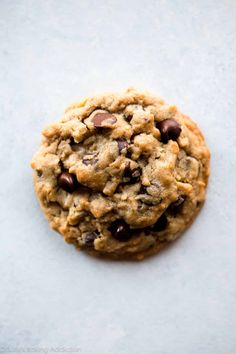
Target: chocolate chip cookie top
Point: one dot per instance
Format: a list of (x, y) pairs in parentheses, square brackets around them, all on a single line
[(121, 174)]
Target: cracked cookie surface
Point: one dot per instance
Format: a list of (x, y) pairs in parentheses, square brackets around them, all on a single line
[(121, 174)]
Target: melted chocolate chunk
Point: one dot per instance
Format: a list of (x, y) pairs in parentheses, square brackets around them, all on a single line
[(161, 223), (128, 117), (176, 206), (122, 145), (133, 175), (129, 153), (120, 230), (72, 141), (99, 118), (169, 129), (127, 169), (67, 181)]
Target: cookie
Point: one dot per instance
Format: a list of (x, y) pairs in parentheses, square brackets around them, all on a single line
[(121, 175)]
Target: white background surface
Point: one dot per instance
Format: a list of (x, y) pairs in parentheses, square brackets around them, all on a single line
[(182, 301)]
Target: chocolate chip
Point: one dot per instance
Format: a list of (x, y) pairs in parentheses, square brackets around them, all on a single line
[(67, 181), (128, 117), (143, 190), (99, 118), (122, 144), (72, 141), (129, 153), (169, 129), (176, 206), (90, 237), (127, 169), (161, 223), (120, 230), (133, 175)]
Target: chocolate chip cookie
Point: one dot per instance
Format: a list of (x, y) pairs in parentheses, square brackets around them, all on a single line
[(121, 175)]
